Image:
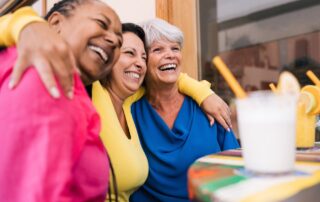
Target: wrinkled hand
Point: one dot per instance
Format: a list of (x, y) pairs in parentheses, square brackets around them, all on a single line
[(216, 108), (41, 47)]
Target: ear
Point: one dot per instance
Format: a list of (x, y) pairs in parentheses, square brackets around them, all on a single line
[(56, 20)]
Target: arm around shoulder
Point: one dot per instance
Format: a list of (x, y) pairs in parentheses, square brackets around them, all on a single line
[(12, 24), (197, 90)]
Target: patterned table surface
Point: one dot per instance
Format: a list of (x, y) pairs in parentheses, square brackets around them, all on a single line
[(221, 177)]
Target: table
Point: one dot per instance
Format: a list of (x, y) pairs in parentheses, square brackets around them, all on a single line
[(221, 177)]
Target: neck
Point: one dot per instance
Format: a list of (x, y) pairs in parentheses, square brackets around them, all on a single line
[(166, 101), (117, 101), (164, 98)]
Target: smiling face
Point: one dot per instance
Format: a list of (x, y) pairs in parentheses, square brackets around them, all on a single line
[(128, 73), (93, 32), (164, 61)]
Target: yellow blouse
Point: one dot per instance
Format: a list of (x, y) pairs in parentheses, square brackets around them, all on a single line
[(128, 159)]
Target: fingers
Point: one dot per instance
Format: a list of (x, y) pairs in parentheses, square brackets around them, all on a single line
[(49, 57), (63, 65), (227, 119), (17, 71), (47, 77), (215, 107), (227, 108), (211, 119), (226, 114), (222, 121), (223, 116)]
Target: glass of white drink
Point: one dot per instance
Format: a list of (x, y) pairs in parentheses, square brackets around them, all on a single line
[(267, 132)]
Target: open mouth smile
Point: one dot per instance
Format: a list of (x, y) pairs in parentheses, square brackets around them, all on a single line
[(168, 67), (102, 54), (133, 75)]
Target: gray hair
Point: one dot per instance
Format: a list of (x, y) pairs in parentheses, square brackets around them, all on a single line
[(157, 29)]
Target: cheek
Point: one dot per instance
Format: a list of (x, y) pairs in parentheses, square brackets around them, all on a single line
[(117, 71), (149, 71), (151, 67), (144, 70), (73, 38), (113, 77), (116, 56), (180, 58), (143, 73), (78, 49)]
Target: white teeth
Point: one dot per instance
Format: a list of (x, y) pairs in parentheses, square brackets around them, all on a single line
[(168, 67), (133, 75), (100, 51)]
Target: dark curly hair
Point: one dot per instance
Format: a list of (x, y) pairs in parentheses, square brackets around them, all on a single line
[(64, 7)]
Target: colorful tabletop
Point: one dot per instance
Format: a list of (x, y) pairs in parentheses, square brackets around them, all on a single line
[(222, 177)]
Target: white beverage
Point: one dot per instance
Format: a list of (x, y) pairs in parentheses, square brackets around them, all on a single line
[(267, 132)]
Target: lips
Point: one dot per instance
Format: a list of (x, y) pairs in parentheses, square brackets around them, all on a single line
[(168, 67), (133, 75), (101, 52)]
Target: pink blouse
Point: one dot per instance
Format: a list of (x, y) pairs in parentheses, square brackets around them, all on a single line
[(50, 149)]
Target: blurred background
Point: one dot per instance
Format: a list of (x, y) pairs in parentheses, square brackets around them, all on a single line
[(257, 39)]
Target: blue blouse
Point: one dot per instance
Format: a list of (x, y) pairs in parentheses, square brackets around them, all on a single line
[(170, 152)]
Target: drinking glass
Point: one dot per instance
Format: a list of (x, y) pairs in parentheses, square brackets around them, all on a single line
[(267, 127)]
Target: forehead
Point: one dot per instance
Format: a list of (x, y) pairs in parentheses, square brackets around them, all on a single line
[(164, 42), (132, 40), (94, 7)]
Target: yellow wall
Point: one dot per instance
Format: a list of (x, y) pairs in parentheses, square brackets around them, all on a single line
[(133, 10), (128, 10)]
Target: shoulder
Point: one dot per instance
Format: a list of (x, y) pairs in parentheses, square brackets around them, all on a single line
[(30, 99), (8, 57)]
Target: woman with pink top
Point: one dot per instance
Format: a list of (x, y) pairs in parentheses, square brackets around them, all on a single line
[(50, 148)]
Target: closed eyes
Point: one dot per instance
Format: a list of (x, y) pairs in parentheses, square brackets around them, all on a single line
[(175, 48), (156, 50)]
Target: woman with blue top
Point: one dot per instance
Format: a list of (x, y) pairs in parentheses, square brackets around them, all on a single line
[(173, 130)]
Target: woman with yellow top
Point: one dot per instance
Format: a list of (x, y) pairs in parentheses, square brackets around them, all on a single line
[(118, 131), (119, 135)]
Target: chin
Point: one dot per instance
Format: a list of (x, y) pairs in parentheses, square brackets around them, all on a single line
[(134, 89), (171, 79)]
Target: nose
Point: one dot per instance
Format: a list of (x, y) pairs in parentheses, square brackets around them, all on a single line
[(140, 63), (169, 54)]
